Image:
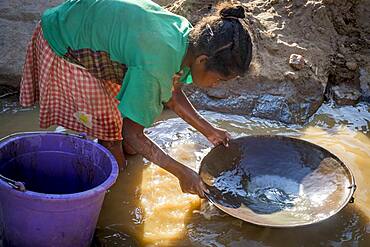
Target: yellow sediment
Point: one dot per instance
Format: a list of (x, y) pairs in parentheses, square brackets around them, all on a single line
[(353, 148), (166, 207)]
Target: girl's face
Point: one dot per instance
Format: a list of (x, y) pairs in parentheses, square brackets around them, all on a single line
[(205, 78)]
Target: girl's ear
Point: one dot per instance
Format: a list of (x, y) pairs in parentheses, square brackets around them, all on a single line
[(201, 59)]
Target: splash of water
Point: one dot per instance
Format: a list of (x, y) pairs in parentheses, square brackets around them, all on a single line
[(353, 117)]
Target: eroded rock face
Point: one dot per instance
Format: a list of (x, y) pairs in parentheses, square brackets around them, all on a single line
[(331, 36), (348, 66), (294, 46)]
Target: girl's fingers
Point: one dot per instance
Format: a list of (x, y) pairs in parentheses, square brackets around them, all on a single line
[(201, 194), (225, 141), (204, 188), (228, 135)]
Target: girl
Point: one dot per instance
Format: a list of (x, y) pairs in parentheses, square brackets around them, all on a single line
[(108, 67)]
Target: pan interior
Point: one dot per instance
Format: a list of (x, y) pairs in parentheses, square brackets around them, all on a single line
[(276, 181)]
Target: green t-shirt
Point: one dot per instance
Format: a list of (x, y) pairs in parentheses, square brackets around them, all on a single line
[(148, 39)]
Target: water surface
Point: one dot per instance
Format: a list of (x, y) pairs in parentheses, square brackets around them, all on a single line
[(147, 208)]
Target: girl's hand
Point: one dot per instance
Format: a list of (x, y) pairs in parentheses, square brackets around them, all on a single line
[(190, 182), (219, 136)]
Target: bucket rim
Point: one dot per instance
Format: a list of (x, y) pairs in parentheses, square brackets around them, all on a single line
[(108, 182)]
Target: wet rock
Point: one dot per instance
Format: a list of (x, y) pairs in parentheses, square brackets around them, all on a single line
[(238, 104), (296, 61), (217, 93), (6, 91), (271, 106), (351, 65), (345, 95), (263, 106), (10, 104), (365, 83)]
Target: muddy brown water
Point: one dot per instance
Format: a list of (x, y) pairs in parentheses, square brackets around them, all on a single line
[(146, 207)]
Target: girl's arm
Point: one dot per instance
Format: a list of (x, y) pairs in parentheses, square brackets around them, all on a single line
[(134, 136), (181, 105)]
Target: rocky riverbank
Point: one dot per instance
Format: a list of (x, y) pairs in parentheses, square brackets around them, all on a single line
[(304, 53)]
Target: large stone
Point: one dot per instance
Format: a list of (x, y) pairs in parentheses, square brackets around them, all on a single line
[(263, 106), (17, 21), (238, 105), (12, 49)]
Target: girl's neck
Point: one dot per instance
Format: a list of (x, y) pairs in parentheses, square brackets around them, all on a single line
[(188, 59)]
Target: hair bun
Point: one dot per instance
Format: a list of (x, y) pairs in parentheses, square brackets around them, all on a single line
[(233, 11)]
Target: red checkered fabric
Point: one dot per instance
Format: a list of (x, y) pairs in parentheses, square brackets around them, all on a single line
[(68, 94)]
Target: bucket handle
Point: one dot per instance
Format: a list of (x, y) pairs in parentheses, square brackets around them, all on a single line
[(354, 187), (14, 184)]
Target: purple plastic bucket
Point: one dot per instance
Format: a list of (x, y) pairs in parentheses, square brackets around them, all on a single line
[(65, 177)]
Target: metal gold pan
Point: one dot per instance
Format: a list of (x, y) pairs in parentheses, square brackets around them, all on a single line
[(276, 181)]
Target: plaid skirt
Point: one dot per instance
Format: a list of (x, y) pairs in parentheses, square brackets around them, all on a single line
[(69, 95)]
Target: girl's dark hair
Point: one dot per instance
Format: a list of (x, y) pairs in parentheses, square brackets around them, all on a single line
[(224, 38)]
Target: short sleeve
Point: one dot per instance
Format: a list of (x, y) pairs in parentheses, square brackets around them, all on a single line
[(186, 77), (140, 97)]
